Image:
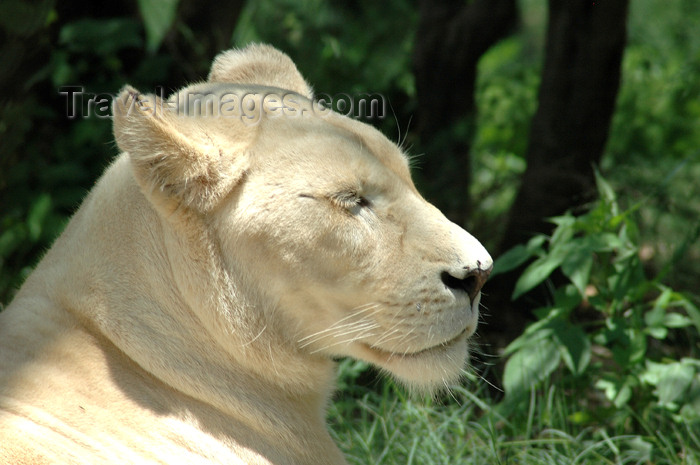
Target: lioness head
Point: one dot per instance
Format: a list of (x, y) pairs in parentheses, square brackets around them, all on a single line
[(313, 218)]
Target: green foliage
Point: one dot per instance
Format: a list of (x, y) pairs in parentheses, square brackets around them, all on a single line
[(653, 153), (158, 17), (608, 324), (104, 37), (658, 110), (338, 52), (382, 425), (506, 97), (48, 162)]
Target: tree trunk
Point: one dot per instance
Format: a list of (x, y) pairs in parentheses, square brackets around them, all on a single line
[(585, 42), (452, 36), (580, 80)]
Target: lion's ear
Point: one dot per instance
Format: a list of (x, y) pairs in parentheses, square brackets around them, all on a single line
[(174, 156), (259, 64)]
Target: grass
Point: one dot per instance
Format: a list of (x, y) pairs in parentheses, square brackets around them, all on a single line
[(385, 426)]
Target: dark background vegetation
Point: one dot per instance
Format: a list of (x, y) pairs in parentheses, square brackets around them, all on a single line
[(509, 107)]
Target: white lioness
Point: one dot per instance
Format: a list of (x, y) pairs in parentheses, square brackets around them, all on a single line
[(192, 308)]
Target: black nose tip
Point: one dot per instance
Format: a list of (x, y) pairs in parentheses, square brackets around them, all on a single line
[(470, 280)]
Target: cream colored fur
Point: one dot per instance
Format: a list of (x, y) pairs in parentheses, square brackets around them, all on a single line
[(192, 308)]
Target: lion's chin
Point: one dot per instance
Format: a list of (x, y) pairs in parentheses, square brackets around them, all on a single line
[(425, 370)]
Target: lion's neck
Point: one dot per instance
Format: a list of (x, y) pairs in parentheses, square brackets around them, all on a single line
[(122, 288), (84, 372)]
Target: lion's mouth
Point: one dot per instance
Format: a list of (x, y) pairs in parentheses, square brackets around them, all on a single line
[(435, 348)]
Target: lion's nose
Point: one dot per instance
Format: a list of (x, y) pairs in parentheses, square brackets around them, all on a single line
[(467, 279)]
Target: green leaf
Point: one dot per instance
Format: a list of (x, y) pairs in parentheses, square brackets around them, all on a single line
[(655, 317), (22, 18), (606, 191), (629, 345), (539, 270), (529, 366), (691, 410), (534, 333), (624, 394), (577, 267), (158, 17), (671, 380), (640, 450), (608, 387), (618, 391), (627, 280), (664, 298), (693, 312), (11, 239), (654, 320), (676, 320), (101, 36), (575, 347), (658, 332), (638, 346), (518, 255), (510, 260), (564, 231), (659, 318), (37, 214), (567, 298)]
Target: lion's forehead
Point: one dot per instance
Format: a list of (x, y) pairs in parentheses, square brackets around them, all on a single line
[(333, 149), (375, 143), (290, 120)]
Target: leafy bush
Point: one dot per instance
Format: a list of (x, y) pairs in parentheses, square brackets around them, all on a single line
[(653, 153), (608, 324), (48, 162), (383, 426)]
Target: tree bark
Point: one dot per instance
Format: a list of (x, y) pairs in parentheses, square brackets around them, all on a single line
[(585, 43), (452, 36)]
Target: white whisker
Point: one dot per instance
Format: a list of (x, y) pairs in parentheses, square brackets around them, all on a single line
[(385, 336), (364, 326), (345, 341), (253, 340), (337, 324)]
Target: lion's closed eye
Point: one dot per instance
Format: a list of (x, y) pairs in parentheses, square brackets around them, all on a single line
[(350, 199)]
